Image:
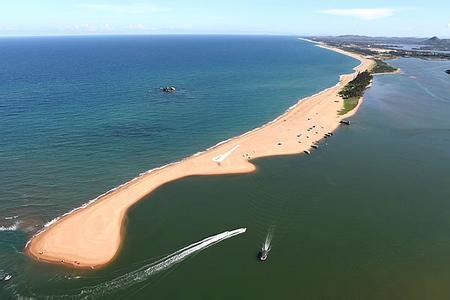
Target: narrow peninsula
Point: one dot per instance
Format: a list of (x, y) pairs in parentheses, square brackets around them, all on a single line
[(91, 236)]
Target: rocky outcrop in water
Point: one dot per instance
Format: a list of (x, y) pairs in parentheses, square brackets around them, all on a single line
[(169, 89)]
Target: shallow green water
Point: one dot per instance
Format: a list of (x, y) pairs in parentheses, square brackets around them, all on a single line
[(366, 216)]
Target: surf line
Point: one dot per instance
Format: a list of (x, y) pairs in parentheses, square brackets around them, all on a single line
[(144, 272), (220, 158)]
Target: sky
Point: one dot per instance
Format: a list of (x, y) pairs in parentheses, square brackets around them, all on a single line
[(297, 17)]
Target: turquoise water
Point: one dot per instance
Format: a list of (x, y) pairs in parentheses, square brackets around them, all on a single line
[(80, 115)]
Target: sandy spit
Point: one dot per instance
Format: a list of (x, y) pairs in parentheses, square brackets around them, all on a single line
[(91, 236)]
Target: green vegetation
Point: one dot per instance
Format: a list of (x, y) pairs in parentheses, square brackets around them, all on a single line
[(354, 90), (349, 104), (382, 67), (357, 86)]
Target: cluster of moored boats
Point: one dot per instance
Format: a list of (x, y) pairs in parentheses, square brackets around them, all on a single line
[(326, 135)]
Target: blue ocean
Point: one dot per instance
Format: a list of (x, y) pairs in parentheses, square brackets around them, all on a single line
[(80, 115)]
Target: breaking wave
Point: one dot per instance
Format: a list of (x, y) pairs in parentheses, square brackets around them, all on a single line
[(12, 227)]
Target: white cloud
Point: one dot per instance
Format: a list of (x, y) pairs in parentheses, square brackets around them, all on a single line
[(92, 28), (107, 27), (7, 28), (361, 13), (131, 8), (137, 27)]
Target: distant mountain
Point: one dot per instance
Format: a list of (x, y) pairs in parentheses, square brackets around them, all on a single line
[(399, 46), (432, 40), (435, 41), (370, 40)]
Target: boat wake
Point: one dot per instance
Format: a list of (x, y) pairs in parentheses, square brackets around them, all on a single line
[(144, 272), (263, 254), (267, 242)]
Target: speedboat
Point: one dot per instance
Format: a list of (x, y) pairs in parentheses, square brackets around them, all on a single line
[(4, 276), (263, 254), (265, 248)]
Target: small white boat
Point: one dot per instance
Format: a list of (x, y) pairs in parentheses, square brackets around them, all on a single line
[(7, 277), (263, 254)]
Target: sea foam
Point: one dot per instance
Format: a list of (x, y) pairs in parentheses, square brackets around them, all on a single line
[(12, 227)]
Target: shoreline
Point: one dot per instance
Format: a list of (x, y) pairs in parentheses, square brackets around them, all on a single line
[(91, 235)]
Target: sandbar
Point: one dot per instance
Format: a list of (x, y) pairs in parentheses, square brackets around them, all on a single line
[(91, 236)]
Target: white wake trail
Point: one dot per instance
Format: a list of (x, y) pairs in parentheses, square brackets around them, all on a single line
[(148, 270), (268, 240)]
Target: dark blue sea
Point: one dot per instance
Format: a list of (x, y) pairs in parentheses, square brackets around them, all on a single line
[(80, 115)]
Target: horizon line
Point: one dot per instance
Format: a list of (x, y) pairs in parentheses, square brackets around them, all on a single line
[(197, 34)]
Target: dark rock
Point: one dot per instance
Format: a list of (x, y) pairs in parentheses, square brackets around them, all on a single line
[(169, 89)]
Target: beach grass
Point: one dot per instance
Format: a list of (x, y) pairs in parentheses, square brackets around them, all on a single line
[(382, 67), (349, 104), (354, 90)]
